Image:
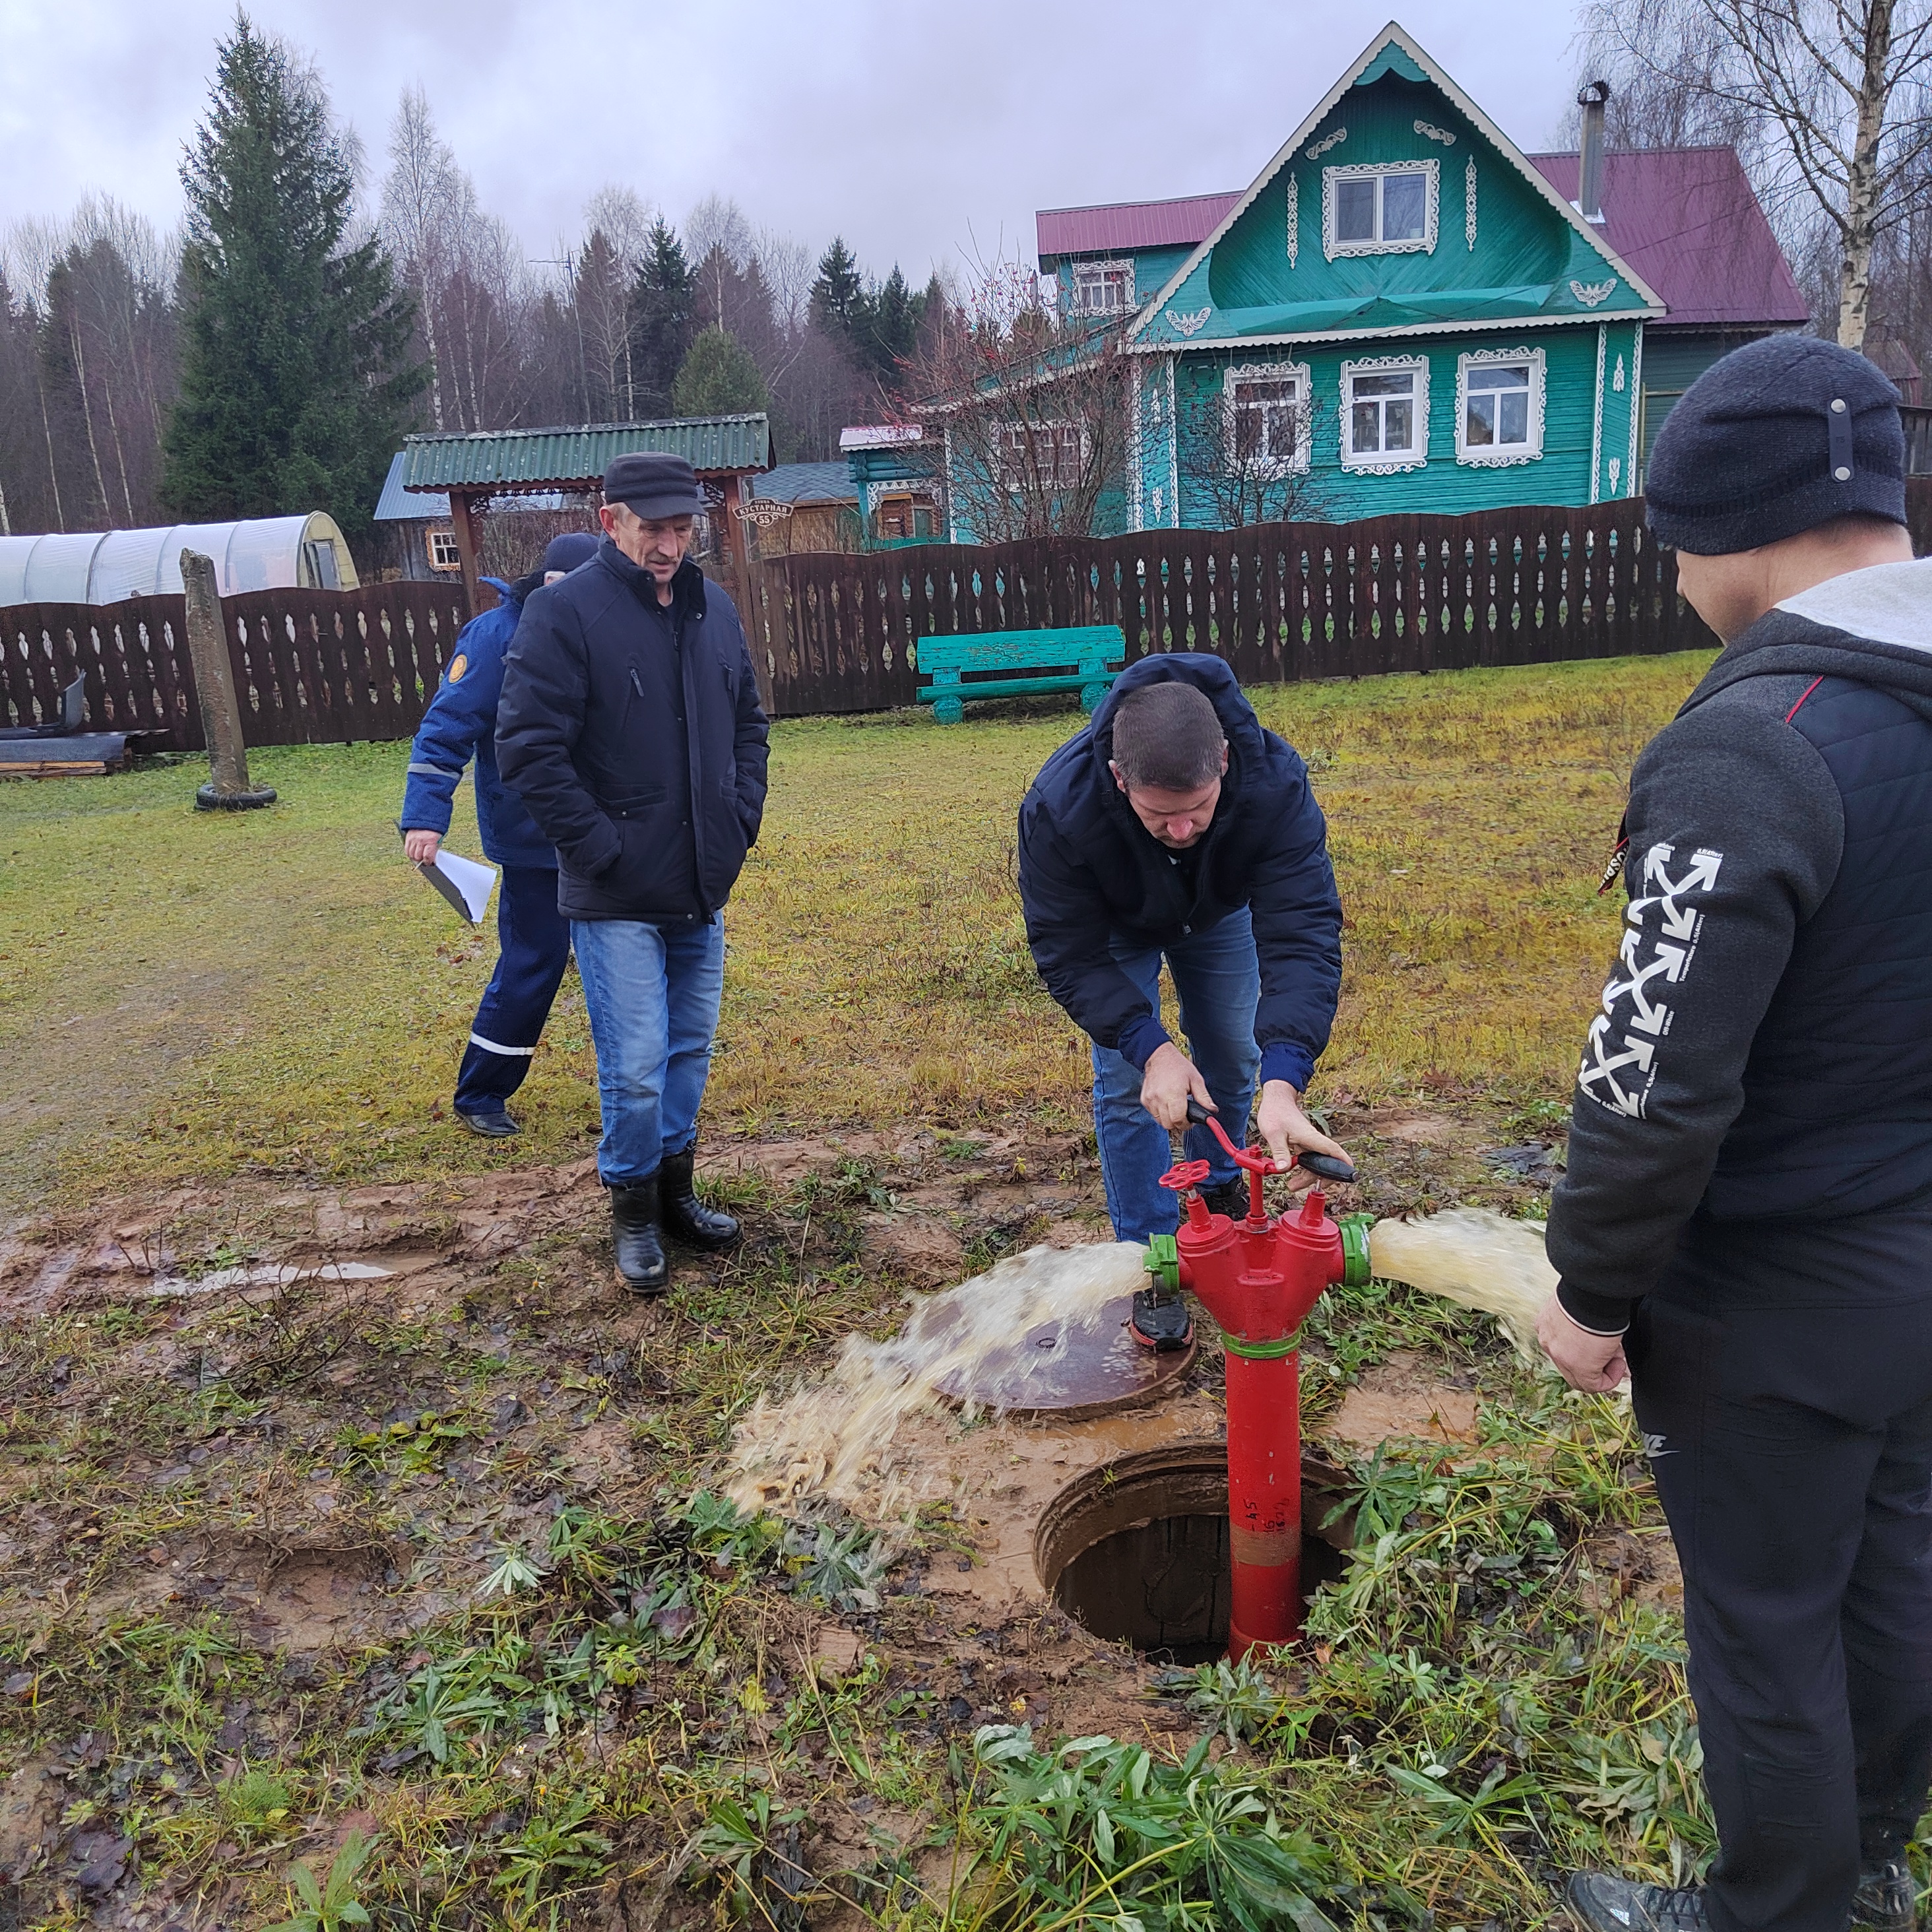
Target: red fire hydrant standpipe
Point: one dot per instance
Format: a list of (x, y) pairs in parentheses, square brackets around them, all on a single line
[(1258, 1278)]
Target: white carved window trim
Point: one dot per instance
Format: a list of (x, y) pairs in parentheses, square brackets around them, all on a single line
[(1119, 265), (1262, 467), (1423, 244), (1502, 456), (1012, 437), (1377, 462)]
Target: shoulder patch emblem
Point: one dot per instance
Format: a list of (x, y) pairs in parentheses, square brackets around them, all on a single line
[(458, 665)]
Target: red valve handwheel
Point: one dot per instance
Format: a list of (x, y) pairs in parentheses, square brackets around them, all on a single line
[(1188, 1174)]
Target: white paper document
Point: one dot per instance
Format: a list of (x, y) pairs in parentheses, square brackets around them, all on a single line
[(462, 881)]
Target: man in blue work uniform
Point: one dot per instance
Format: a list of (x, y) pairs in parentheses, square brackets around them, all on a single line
[(532, 937), (1175, 827), (631, 724)]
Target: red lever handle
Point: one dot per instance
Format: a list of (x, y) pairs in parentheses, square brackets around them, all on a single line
[(1251, 1159)]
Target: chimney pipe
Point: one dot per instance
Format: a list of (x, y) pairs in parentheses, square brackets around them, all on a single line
[(1590, 151)]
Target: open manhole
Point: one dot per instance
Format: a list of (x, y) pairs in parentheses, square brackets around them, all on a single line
[(1137, 1550)]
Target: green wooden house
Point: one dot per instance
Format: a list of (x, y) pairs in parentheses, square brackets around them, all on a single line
[(1404, 312)]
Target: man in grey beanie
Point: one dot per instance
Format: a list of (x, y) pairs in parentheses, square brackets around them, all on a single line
[(1745, 1227)]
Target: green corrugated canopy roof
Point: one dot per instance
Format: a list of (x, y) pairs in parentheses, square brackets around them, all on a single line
[(508, 460)]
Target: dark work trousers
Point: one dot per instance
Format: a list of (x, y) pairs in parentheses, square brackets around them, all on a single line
[(534, 939), (1782, 1375)]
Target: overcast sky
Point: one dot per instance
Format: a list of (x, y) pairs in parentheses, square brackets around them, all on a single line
[(922, 134)]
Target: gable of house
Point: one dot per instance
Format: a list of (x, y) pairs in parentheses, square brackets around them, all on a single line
[(1396, 208)]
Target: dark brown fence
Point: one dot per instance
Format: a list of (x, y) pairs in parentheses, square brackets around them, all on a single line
[(838, 632), (311, 667), (1280, 602)]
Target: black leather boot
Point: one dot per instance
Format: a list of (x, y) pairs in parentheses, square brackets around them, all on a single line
[(686, 1216), (634, 1232)]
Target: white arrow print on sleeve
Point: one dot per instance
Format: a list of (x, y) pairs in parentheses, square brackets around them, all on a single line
[(1661, 931)]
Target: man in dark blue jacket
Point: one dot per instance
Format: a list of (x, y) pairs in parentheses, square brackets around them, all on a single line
[(1745, 1224), (630, 723), (532, 937), (1175, 827)]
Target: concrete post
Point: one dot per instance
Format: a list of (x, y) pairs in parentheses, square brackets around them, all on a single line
[(228, 789)]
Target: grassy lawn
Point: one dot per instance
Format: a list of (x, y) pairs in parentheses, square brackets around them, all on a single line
[(190, 996), (419, 1575)]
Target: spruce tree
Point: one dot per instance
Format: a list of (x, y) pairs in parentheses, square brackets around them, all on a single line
[(718, 378), (662, 298), (893, 329), (839, 301), (297, 378)]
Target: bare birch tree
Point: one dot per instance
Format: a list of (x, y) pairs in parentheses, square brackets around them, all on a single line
[(1031, 408), (618, 225), (417, 219), (1834, 92)]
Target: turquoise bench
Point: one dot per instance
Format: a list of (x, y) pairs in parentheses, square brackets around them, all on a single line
[(1085, 658)]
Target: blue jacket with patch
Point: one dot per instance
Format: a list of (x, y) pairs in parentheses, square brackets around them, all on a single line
[(460, 724)]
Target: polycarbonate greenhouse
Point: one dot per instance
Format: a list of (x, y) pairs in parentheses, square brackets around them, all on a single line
[(104, 566)]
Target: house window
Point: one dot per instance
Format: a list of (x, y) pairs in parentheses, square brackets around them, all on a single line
[(1379, 209), (443, 554), (1385, 413), (1264, 409), (1052, 455), (1499, 406), (1103, 288)]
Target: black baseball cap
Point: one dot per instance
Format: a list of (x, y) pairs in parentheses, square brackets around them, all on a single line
[(653, 483)]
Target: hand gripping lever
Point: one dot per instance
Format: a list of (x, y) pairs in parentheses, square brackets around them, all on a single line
[(1324, 1166)]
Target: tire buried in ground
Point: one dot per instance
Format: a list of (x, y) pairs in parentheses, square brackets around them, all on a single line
[(1136, 1551)]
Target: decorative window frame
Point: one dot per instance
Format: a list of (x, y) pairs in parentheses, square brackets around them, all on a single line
[(1120, 263), (1011, 483), (1377, 463), (1270, 469), (1424, 244), (1505, 456)]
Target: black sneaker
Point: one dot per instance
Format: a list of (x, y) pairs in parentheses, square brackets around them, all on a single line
[(1607, 1904), (1230, 1199), (496, 1127), (1160, 1321), (1887, 1899)]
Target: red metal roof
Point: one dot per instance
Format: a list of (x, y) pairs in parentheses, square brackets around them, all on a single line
[(1132, 224), (1687, 220)]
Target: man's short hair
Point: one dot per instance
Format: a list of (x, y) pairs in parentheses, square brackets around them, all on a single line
[(1167, 737)]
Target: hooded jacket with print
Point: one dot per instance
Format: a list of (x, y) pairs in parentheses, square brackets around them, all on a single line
[(1764, 1049)]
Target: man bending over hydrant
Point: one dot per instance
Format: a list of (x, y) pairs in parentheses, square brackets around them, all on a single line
[(1173, 826), (1746, 1223)]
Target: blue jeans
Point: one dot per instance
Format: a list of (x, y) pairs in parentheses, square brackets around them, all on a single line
[(1218, 979), (533, 939), (651, 992)]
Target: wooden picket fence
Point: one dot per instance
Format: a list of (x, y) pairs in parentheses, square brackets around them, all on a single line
[(1280, 602), (311, 667), (837, 632)]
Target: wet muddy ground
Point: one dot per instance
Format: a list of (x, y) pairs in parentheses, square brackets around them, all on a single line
[(325, 1416)]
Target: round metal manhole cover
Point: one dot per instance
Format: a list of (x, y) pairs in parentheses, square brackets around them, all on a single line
[(1070, 1371)]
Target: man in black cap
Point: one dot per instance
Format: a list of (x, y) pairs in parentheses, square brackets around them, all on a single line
[(1746, 1221), (630, 725), (533, 937)]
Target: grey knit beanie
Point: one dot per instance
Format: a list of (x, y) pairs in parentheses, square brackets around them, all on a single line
[(1776, 438)]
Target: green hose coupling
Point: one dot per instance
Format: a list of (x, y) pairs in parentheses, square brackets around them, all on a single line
[(1357, 1271), (1162, 1261)]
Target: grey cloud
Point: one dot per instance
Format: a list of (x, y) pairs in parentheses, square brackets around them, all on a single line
[(921, 138)]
